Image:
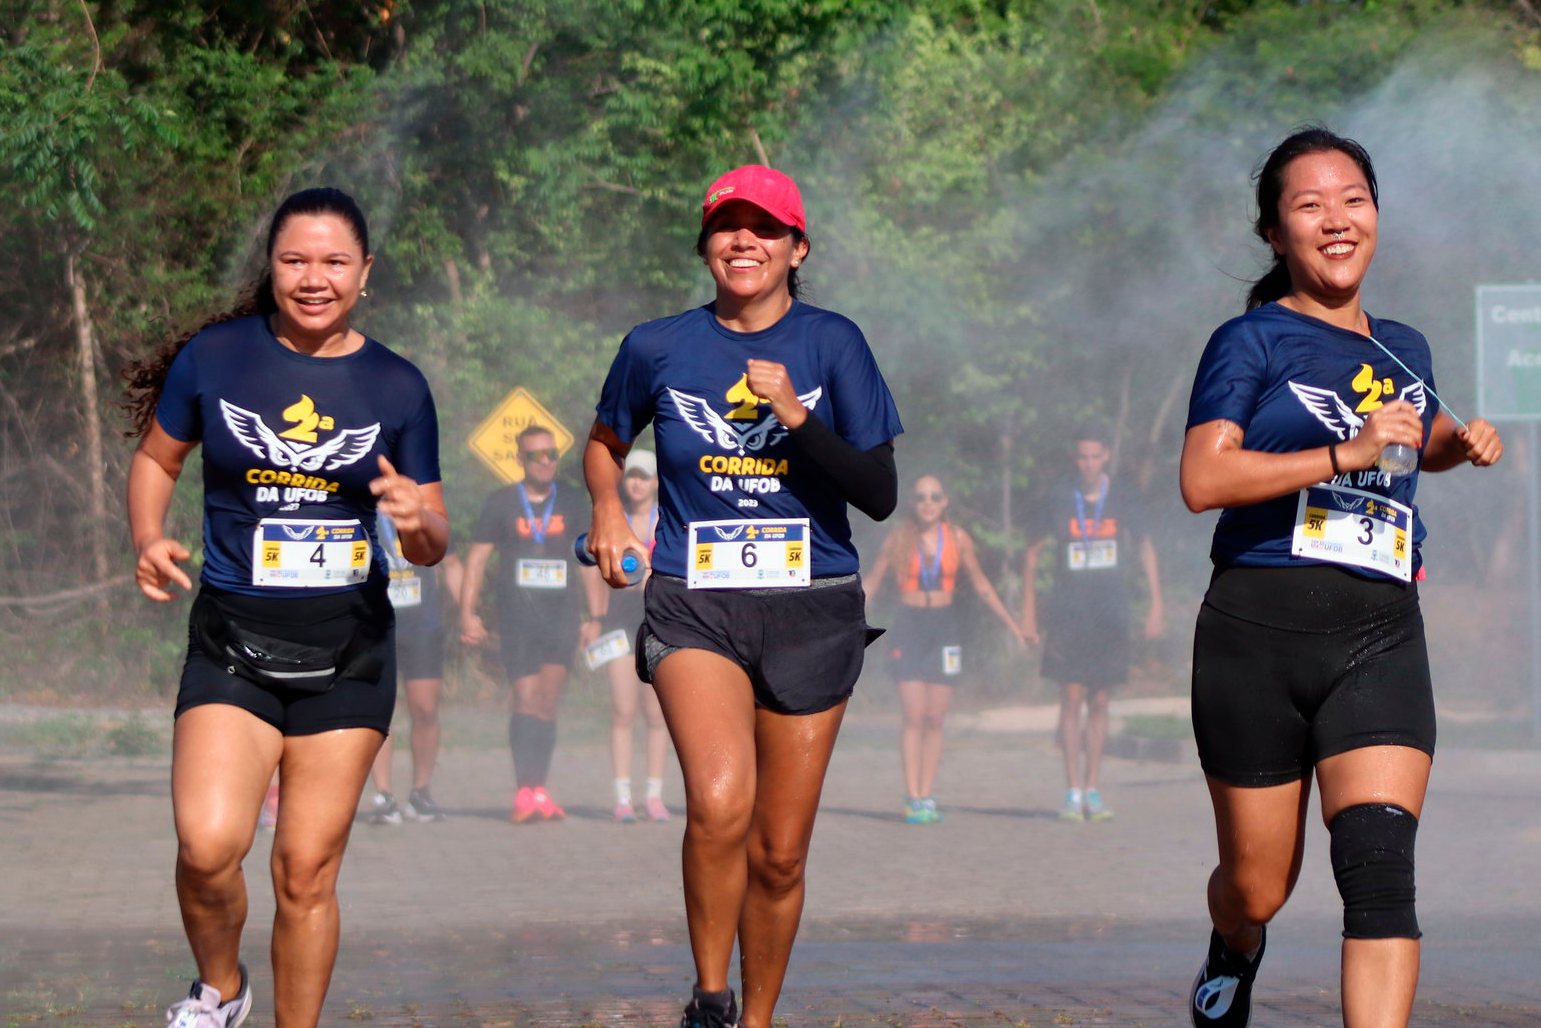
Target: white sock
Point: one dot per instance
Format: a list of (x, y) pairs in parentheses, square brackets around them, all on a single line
[(655, 788), (623, 790)]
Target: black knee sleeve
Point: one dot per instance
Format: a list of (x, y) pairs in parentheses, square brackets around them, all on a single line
[(1372, 860)]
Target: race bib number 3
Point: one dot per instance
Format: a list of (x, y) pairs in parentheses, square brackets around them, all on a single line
[(748, 554), (297, 554), (1350, 526)]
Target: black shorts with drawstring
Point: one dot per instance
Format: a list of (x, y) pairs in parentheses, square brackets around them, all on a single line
[(801, 648)]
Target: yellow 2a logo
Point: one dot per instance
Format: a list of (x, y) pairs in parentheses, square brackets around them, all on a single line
[(1373, 389), (303, 414), (748, 402)]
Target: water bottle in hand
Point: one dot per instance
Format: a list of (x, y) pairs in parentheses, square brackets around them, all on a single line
[(1397, 459), (631, 564)]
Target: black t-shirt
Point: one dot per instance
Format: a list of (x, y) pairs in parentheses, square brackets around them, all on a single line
[(535, 573), (415, 592), (1095, 546)]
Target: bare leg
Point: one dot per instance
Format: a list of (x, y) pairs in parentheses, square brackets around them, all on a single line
[(1380, 976), (1070, 699), (1261, 835), (380, 772), (793, 754), (222, 760), (709, 706), (1096, 733), (323, 776), (938, 699), (657, 734), (624, 688), (423, 705), (912, 705)]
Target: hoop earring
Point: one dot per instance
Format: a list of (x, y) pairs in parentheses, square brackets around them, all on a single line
[(363, 292)]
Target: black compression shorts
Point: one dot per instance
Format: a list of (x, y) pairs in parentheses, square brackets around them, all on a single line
[(926, 645), (801, 648), (1293, 665), (349, 703)]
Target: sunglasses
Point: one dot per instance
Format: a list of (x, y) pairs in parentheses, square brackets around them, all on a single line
[(549, 454), (930, 497)]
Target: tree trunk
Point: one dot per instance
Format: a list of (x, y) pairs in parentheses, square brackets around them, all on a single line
[(96, 469), (1008, 465)]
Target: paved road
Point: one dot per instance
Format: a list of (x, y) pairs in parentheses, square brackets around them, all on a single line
[(1000, 914)]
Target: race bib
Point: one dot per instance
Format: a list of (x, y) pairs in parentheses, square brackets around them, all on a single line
[(748, 554), (299, 554), (541, 574), (952, 660), (1350, 526), (406, 589), (1099, 553), (613, 645)]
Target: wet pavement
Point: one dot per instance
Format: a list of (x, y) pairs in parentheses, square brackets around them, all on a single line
[(1001, 914)]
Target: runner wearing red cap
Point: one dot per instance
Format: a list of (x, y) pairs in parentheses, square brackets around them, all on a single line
[(770, 417)]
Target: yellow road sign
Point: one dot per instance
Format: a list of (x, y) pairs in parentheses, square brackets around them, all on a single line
[(495, 441)]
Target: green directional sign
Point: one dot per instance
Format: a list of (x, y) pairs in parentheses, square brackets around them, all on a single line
[(1509, 352)]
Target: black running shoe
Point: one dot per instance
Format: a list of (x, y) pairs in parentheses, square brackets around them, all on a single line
[(421, 807), (706, 1010), (1222, 993)]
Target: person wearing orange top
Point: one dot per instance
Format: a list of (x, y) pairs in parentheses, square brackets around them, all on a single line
[(1101, 531), (925, 555)]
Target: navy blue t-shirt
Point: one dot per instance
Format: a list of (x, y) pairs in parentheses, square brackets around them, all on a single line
[(414, 590), (1293, 382), (1097, 547), (721, 454), (294, 437)]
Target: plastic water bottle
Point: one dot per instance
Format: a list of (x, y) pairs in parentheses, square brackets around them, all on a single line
[(1397, 459), (631, 564)]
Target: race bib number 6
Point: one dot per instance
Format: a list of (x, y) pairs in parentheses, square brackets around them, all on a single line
[(748, 554), (1350, 526), (298, 554)]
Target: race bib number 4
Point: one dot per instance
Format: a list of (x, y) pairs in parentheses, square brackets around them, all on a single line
[(1350, 526), (748, 554), (298, 554)]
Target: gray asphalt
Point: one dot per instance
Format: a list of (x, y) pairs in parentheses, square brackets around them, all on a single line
[(1000, 914)]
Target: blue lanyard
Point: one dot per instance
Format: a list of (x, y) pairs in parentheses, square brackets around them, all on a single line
[(1080, 511), (537, 529), (930, 577)]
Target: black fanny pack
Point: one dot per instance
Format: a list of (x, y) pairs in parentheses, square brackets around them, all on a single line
[(349, 650)]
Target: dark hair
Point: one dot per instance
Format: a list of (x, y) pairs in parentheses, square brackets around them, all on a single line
[(146, 378), (1270, 187), (530, 430), (798, 235), (1093, 430)]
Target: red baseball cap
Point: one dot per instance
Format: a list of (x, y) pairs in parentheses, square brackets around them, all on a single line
[(768, 189)]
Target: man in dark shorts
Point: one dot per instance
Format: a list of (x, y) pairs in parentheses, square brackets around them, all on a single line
[(1097, 530), (532, 525)]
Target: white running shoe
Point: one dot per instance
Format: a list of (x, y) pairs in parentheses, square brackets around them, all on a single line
[(202, 1007)]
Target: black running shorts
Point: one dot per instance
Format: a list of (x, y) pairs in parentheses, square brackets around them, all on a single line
[(801, 648), (1293, 665), (419, 653), (316, 620), (926, 645)]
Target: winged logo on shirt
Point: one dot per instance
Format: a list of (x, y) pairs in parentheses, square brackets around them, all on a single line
[(1332, 411), (714, 428), (344, 448)]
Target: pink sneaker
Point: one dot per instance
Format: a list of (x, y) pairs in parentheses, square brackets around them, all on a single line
[(624, 813), (525, 807), (547, 806), (656, 811)]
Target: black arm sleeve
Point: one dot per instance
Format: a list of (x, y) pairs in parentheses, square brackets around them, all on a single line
[(867, 479)]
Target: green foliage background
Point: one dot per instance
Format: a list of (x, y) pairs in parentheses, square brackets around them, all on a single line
[(531, 168)]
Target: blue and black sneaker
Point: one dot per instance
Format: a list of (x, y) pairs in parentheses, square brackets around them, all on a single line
[(1222, 993), (710, 1010)]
